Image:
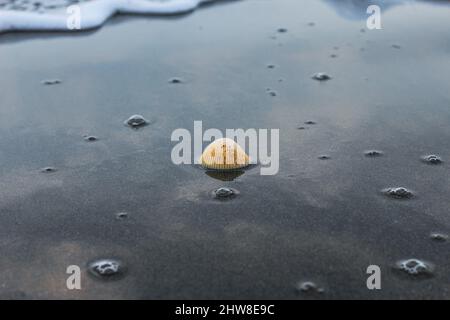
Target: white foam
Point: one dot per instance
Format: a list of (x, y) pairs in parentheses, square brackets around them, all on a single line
[(93, 14)]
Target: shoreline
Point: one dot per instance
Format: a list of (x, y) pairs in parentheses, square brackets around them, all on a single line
[(92, 14)]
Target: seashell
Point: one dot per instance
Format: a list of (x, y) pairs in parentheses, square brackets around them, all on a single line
[(224, 154)]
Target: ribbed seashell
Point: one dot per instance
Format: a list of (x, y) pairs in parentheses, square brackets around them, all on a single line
[(224, 154)]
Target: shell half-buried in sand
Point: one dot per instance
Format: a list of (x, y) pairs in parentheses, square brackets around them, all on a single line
[(224, 154)]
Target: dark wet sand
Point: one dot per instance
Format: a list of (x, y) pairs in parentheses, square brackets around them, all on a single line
[(321, 221)]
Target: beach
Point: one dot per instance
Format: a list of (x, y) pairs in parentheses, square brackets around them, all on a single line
[(320, 219)]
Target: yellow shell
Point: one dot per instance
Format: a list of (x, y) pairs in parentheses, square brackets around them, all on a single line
[(224, 154)]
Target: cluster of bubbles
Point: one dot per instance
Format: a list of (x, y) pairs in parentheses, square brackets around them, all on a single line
[(111, 268), (412, 267), (319, 76), (107, 268)]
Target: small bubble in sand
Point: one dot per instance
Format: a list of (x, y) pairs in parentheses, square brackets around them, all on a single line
[(270, 66), (50, 82), (362, 30), (308, 286), (321, 76), (121, 215), (311, 24), (301, 128), (136, 121), (432, 159), (439, 237), (272, 93), (90, 138), (324, 157), (398, 192), (106, 268), (373, 153), (415, 267), (282, 30), (396, 46), (310, 122), (48, 169), (333, 55), (224, 193), (175, 80)]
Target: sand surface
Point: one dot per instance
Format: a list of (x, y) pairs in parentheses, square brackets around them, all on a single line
[(318, 220)]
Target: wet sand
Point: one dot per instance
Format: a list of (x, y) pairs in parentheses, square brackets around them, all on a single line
[(317, 220)]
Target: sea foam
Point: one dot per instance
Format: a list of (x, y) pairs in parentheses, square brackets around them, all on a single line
[(92, 14)]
